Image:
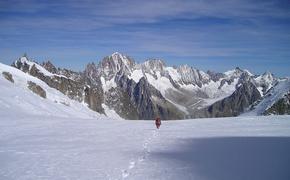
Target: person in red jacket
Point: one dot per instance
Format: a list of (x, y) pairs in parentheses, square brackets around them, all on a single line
[(157, 122)]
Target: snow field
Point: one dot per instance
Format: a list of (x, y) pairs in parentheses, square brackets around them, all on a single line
[(51, 147)]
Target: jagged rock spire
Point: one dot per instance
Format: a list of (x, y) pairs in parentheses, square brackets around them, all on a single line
[(115, 63)]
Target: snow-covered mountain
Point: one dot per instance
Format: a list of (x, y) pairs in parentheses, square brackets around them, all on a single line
[(151, 88), (30, 95), (276, 100)]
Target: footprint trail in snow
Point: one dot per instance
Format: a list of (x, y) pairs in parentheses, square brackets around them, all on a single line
[(146, 152)]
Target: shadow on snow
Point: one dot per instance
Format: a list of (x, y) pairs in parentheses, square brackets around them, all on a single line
[(232, 158)]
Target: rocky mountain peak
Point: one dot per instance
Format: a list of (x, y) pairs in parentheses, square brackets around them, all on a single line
[(266, 81), (184, 68), (23, 59), (23, 63), (189, 75), (122, 61), (116, 63), (268, 76), (91, 72), (245, 77), (49, 67), (91, 69), (235, 73), (215, 76), (154, 65)]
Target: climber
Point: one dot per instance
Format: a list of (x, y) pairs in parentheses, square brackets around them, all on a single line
[(157, 122)]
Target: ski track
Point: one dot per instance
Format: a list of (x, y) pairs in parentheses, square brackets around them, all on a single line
[(146, 152)]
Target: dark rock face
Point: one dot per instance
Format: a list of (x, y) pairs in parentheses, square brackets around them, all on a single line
[(281, 107), (142, 96), (8, 76), (143, 100), (23, 66), (36, 89), (215, 76), (49, 67), (94, 94), (93, 97), (245, 95), (224, 81), (72, 89), (119, 100), (76, 76), (151, 104), (91, 73)]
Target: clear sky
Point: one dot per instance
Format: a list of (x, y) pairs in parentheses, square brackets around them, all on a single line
[(207, 34)]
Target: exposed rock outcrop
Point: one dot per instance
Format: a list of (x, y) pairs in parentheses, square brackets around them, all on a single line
[(36, 89), (49, 67), (8, 76), (281, 107)]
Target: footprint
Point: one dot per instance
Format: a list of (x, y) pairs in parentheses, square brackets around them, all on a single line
[(141, 159), (125, 173), (155, 133), (132, 165)]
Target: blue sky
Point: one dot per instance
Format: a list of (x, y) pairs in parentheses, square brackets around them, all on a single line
[(209, 34)]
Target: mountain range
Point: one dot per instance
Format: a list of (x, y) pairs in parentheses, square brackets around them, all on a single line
[(152, 89)]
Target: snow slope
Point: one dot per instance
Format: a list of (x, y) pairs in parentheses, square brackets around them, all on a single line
[(51, 147), (18, 98), (276, 93)]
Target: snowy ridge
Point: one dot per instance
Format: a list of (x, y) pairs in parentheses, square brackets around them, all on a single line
[(16, 96), (276, 93), (198, 88), (25, 60), (153, 65)]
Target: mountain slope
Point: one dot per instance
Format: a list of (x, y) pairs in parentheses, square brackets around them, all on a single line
[(17, 97), (267, 105), (152, 89), (245, 95), (74, 85)]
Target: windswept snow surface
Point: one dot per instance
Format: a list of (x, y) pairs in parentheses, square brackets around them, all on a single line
[(51, 147)]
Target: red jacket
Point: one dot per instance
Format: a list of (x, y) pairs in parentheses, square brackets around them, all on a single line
[(158, 121)]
